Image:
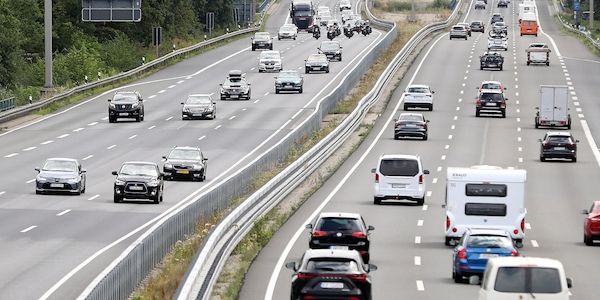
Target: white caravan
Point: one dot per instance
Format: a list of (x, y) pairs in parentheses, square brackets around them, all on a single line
[(526, 7)]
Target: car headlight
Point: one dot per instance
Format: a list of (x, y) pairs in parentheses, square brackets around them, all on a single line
[(186, 109), (153, 182), (112, 105), (135, 105), (72, 180), (119, 182), (197, 167), (168, 166), (41, 179)]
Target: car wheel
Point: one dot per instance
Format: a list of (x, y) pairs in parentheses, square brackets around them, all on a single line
[(425, 137), (542, 158), (457, 278), (300, 91), (447, 241), (276, 91), (430, 107), (306, 71), (137, 118), (366, 258), (477, 113), (376, 200), (574, 159), (421, 201), (117, 199), (253, 49), (500, 68), (156, 199), (504, 114), (38, 192), (83, 189), (214, 116), (327, 70), (587, 241), (111, 120), (202, 176), (405, 107), (142, 117), (260, 71)]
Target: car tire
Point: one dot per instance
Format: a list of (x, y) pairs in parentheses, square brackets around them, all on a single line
[(421, 201), (138, 118), (367, 258), (500, 68), (38, 192), (306, 71), (301, 90), (83, 190), (447, 241), (504, 114), (457, 278), (405, 107), (117, 199), (430, 107), (214, 116), (542, 159), (327, 70), (574, 159), (156, 200), (477, 113), (376, 200), (276, 91), (260, 71), (142, 117), (111, 119), (587, 241), (425, 137)]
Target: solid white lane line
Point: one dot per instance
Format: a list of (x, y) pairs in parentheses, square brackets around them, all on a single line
[(63, 212), (30, 180), (218, 126), (417, 260), (110, 147), (420, 223), (535, 244), (28, 228), (92, 124), (590, 139), (88, 157), (78, 129), (62, 136), (151, 96), (29, 148), (152, 127), (161, 91), (417, 239), (232, 117), (47, 142), (420, 285), (434, 180), (169, 118), (171, 86), (132, 137), (201, 138), (93, 197)]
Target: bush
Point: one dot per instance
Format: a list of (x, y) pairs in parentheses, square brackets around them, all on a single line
[(80, 61), (121, 53), (441, 4)]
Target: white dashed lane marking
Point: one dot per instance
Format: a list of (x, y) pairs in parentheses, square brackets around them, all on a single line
[(171, 86), (527, 226), (11, 155), (420, 223), (425, 207), (161, 91), (88, 157), (180, 81), (420, 285), (232, 117), (428, 193), (417, 239), (29, 148), (28, 228), (256, 101), (78, 129), (62, 136), (152, 127), (417, 260), (443, 157), (63, 212), (535, 244), (110, 147), (218, 126), (30, 180), (151, 96), (169, 118), (93, 197), (2, 193), (439, 169)]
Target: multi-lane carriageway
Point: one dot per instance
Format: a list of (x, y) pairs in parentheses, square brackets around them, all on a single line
[(54, 245), (408, 243)]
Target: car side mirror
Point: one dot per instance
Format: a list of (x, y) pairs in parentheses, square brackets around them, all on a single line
[(205, 159), (540, 140), (443, 205), (537, 107), (395, 119), (164, 157), (37, 169), (308, 226), (426, 172), (181, 103), (115, 173), (426, 121), (373, 170), (371, 268), (569, 282), (584, 212), (220, 84), (505, 99), (83, 171), (370, 228), (291, 265), (474, 280), (433, 92), (109, 100), (576, 141), (215, 103)]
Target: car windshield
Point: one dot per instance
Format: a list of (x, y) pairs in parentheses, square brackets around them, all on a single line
[(234, 79), (492, 96), (317, 58), (60, 166), (331, 266), (288, 74), (528, 280), (269, 55), (559, 139), (399, 167), (499, 24), (329, 46), (261, 37), (189, 154), (538, 46), (125, 98), (488, 241), (476, 23), (139, 170), (413, 118), (420, 90), (490, 86), (338, 224), (302, 13), (458, 28), (198, 100), (288, 28)]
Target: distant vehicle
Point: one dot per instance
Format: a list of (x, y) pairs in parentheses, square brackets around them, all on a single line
[(410, 125), (474, 249), (198, 106), (270, 60), (331, 263), (330, 288), (345, 5), (399, 177), (591, 224), (496, 17), (126, 105), (502, 3), (418, 96), (529, 24), (287, 31), (477, 26), (497, 42), (525, 277), (485, 197), (480, 4), (558, 144), (467, 27), (138, 180), (316, 62), (553, 109), (289, 80), (490, 102), (459, 31), (235, 86), (185, 162), (325, 19), (524, 8), (262, 40), (60, 175), (331, 49), (302, 14), (500, 27), (346, 231), (491, 60), (492, 85), (538, 53)]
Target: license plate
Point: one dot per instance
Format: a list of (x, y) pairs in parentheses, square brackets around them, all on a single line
[(411, 125), (317, 68), (57, 185), (135, 188), (490, 104), (124, 114), (338, 247), (332, 285), (487, 255), (398, 185), (234, 96), (183, 171), (559, 148)]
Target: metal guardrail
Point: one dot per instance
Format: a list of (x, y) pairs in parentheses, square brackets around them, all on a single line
[(8, 104), (263, 5), (221, 242), (27, 109), (572, 27)]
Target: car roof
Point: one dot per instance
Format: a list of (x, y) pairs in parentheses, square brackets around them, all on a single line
[(134, 162), (524, 261), (402, 156), (270, 52), (62, 159), (332, 253), (490, 81), (339, 215), (185, 148), (319, 55), (418, 86), (482, 231), (411, 114), (199, 95), (559, 133)]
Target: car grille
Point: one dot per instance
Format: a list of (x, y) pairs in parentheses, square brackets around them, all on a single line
[(123, 106), (197, 110), (182, 167), (136, 188)]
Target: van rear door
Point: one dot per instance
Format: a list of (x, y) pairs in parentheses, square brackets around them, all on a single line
[(399, 176)]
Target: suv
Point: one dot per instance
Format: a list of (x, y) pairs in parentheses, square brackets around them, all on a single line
[(341, 231), (399, 177), (502, 3), (459, 31), (262, 40), (316, 62), (491, 60), (477, 26), (331, 49), (235, 86), (138, 180), (496, 17), (411, 125), (198, 106), (418, 95), (269, 61), (558, 144), (126, 105), (480, 4), (490, 101), (185, 162)]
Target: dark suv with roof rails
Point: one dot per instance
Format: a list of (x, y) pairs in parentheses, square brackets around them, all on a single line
[(126, 105)]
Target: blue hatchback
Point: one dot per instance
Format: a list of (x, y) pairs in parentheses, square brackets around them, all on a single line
[(474, 249)]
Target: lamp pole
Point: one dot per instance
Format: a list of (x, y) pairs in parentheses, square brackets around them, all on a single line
[(591, 14), (48, 45)]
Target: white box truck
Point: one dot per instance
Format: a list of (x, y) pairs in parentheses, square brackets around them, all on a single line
[(553, 110), (526, 7), (485, 197)]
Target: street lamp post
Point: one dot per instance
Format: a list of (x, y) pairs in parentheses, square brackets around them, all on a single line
[(48, 86)]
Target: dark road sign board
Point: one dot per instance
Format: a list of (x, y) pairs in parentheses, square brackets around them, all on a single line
[(111, 10)]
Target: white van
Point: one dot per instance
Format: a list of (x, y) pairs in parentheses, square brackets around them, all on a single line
[(526, 278), (485, 197), (526, 8), (399, 177)]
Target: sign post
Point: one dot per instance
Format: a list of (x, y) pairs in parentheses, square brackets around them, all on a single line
[(156, 38)]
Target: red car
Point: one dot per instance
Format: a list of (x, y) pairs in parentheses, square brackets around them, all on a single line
[(591, 225)]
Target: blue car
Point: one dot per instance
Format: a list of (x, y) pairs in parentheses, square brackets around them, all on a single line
[(474, 249)]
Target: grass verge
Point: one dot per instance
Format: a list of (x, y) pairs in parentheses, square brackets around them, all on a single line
[(578, 36)]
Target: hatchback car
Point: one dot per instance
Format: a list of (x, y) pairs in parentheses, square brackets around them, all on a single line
[(477, 26), (399, 177), (558, 144), (341, 231), (479, 4), (126, 105), (316, 62), (467, 27), (60, 175), (331, 263), (418, 96), (502, 3), (591, 224), (185, 162), (477, 246), (289, 80), (198, 106), (331, 49), (138, 180), (410, 125), (490, 102), (459, 31)]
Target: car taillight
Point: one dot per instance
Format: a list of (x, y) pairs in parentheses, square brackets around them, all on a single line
[(306, 276), (454, 229), (503, 104), (462, 254), (516, 231), (318, 233), (359, 235), (514, 253), (447, 222), (478, 102), (376, 178), (358, 277), (420, 179), (522, 225), (562, 122)]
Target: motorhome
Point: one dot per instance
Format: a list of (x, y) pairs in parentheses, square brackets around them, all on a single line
[(526, 7)]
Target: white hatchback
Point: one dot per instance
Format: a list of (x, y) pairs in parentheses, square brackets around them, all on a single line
[(399, 177)]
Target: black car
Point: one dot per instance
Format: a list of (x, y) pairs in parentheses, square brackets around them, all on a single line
[(410, 125), (316, 62), (477, 26), (558, 144), (60, 175), (497, 18), (331, 263), (491, 60), (262, 40), (502, 3), (289, 80), (138, 180), (199, 106), (185, 162), (490, 101), (341, 231), (126, 105), (331, 288), (331, 49)]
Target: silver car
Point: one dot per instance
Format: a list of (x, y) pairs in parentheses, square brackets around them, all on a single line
[(459, 31), (287, 31)]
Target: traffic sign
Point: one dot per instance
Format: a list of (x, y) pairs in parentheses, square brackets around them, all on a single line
[(111, 10)]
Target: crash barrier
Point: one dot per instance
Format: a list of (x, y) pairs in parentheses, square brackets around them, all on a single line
[(263, 5), (573, 27), (7, 104), (207, 265)]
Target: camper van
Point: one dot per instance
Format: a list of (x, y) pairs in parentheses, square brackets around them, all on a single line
[(528, 25), (526, 7), (485, 197)]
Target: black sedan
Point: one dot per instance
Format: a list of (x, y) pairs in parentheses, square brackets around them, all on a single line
[(185, 162), (558, 144), (198, 106), (138, 180), (411, 125), (60, 175), (341, 231), (288, 80)]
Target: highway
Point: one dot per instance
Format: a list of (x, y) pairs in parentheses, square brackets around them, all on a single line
[(408, 242), (45, 237)]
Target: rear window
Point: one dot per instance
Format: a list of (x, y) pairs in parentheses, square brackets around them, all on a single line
[(488, 241), (492, 96), (331, 266), (338, 224), (485, 209), (485, 190), (399, 167), (528, 280), (559, 139)]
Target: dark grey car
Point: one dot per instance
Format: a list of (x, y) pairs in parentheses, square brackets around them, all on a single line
[(289, 80), (185, 162), (198, 106), (411, 125), (60, 175)]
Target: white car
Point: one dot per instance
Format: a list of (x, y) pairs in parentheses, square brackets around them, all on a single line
[(287, 31), (399, 177), (418, 95), (498, 43), (345, 5), (270, 60)]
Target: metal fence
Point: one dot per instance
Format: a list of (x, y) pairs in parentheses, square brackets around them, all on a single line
[(573, 27), (7, 104)]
